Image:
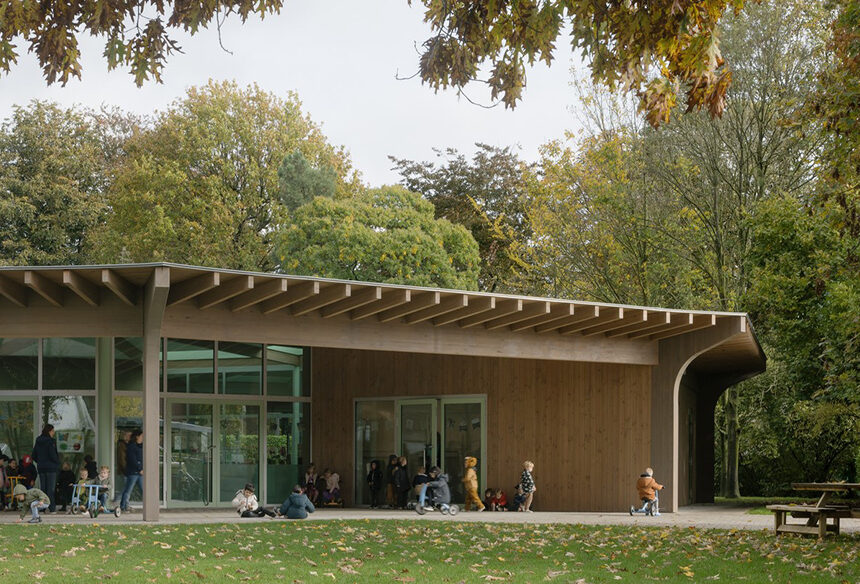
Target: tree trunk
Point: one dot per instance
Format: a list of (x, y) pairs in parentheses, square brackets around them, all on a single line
[(729, 484)]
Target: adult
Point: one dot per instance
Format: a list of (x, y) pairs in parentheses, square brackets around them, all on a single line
[(133, 467), (121, 449), (297, 505), (47, 461)]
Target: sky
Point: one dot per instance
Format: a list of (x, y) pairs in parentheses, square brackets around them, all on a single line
[(342, 58)]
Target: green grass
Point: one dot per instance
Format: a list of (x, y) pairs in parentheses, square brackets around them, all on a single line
[(416, 551)]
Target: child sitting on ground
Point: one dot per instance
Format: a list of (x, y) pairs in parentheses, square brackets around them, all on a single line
[(246, 504), (33, 499), (519, 498), (490, 500), (647, 489), (500, 501), (331, 494)]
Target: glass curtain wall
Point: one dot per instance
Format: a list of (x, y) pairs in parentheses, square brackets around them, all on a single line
[(374, 440)]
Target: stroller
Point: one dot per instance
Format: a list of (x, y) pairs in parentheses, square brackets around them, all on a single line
[(649, 507), (85, 499)]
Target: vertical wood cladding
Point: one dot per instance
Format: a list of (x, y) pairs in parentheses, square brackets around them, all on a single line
[(586, 426)]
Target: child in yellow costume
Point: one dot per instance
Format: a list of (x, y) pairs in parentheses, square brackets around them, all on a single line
[(470, 481)]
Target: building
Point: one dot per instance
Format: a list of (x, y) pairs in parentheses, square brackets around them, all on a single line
[(237, 376)]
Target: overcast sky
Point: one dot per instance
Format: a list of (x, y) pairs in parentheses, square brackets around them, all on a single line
[(341, 57)]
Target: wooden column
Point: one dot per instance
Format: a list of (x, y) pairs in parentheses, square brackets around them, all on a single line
[(154, 303)]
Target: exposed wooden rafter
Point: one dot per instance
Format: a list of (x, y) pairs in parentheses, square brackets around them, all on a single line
[(329, 295), (183, 291), (122, 288), (44, 287), (528, 311), (700, 321), (503, 308), (295, 294), (449, 304), (581, 313), (356, 300), (678, 320), (418, 302), (226, 291), (88, 292), (629, 316), (390, 299), (605, 315), (476, 305), (556, 313), (13, 292), (652, 320), (259, 294)]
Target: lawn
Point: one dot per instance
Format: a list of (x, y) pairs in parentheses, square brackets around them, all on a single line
[(416, 551)]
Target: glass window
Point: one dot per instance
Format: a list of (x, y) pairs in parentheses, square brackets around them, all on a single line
[(288, 447), (16, 427), (128, 364), (287, 373), (190, 458), (239, 448), (69, 363), (19, 364), (190, 366), (240, 369), (72, 417), (374, 440)]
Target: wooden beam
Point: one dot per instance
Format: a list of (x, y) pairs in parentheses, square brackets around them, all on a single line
[(652, 321), (226, 291), (605, 314), (124, 290), (503, 308), (449, 304), (528, 311), (476, 305), (556, 312), (192, 287), (330, 295), (88, 291), (390, 299), (700, 321), (44, 287), (259, 294), (630, 315), (581, 313), (295, 294), (358, 299), (419, 302), (13, 291), (677, 320)]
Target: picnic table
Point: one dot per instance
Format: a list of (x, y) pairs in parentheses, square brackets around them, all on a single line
[(816, 515)]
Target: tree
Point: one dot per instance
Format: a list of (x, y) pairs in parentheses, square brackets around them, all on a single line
[(136, 32), (625, 42), (299, 182), (53, 176), (381, 235), (201, 184), (486, 196)]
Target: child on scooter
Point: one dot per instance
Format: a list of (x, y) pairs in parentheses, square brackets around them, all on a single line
[(647, 489), (438, 492)]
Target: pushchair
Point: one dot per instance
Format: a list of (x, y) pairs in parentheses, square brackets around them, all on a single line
[(85, 499), (648, 507), (423, 505)]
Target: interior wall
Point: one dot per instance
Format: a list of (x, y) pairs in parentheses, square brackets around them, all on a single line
[(586, 426)]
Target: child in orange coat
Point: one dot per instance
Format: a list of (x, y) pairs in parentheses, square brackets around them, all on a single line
[(647, 489), (470, 481)]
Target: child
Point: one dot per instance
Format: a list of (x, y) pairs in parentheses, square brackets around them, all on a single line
[(297, 505), (28, 471), (490, 499), (83, 479), (438, 492), (64, 485), (246, 504), (519, 498), (390, 492), (528, 483), (311, 482), (331, 495), (647, 489), (32, 499), (500, 500), (90, 465), (470, 482), (103, 481), (374, 483), (402, 486)]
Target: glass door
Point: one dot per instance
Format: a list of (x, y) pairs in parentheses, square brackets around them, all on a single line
[(190, 441), (463, 434), (239, 450), (417, 436)]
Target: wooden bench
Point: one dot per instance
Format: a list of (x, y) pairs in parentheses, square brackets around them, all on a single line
[(816, 519)]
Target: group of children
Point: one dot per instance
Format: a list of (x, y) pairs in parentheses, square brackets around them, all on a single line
[(322, 489), (497, 500), (296, 506)]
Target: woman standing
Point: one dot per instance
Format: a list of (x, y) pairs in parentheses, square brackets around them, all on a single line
[(133, 467), (47, 461)]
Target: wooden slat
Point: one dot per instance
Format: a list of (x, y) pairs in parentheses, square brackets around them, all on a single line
[(86, 290), (581, 313), (188, 289), (476, 305), (329, 295), (356, 300), (259, 294), (606, 314), (449, 304), (652, 321), (503, 308), (13, 292), (419, 302), (44, 287), (122, 288), (556, 312), (700, 321), (390, 299), (678, 320), (630, 315), (226, 291), (528, 311), (295, 294)]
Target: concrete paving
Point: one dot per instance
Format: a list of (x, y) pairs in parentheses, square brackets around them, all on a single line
[(700, 517)]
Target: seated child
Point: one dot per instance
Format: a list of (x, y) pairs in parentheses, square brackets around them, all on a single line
[(246, 504), (519, 498), (331, 494), (32, 499), (297, 505), (65, 480), (500, 500), (490, 500), (647, 489), (310, 484), (83, 479), (419, 479), (28, 471), (103, 481), (438, 492)]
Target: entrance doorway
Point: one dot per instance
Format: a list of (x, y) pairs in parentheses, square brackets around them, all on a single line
[(427, 431)]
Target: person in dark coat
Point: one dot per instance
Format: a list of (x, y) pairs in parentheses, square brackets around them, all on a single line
[(297, 505), (91, 466), (47, 461), (133, 467), (390, 491), (374, 483), (64, 485), (439, 484), (401, 482), (28, 470)]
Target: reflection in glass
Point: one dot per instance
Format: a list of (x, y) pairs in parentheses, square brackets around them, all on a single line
[(240, 368), (191, 437), (288, 447), (19, 364), (16, 427), (287, 371), (374, 440), (462, 435), (128, 364), (72, 417), (69, 363), (190, 366), (128, 417), (239, 449)]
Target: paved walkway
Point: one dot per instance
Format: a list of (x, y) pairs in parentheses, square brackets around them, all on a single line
[(702, 517)]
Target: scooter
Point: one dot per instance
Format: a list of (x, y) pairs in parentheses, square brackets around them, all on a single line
[(423, 507)]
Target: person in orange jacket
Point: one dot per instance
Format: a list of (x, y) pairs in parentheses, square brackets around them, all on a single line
[(470, 482), (647, 488)]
